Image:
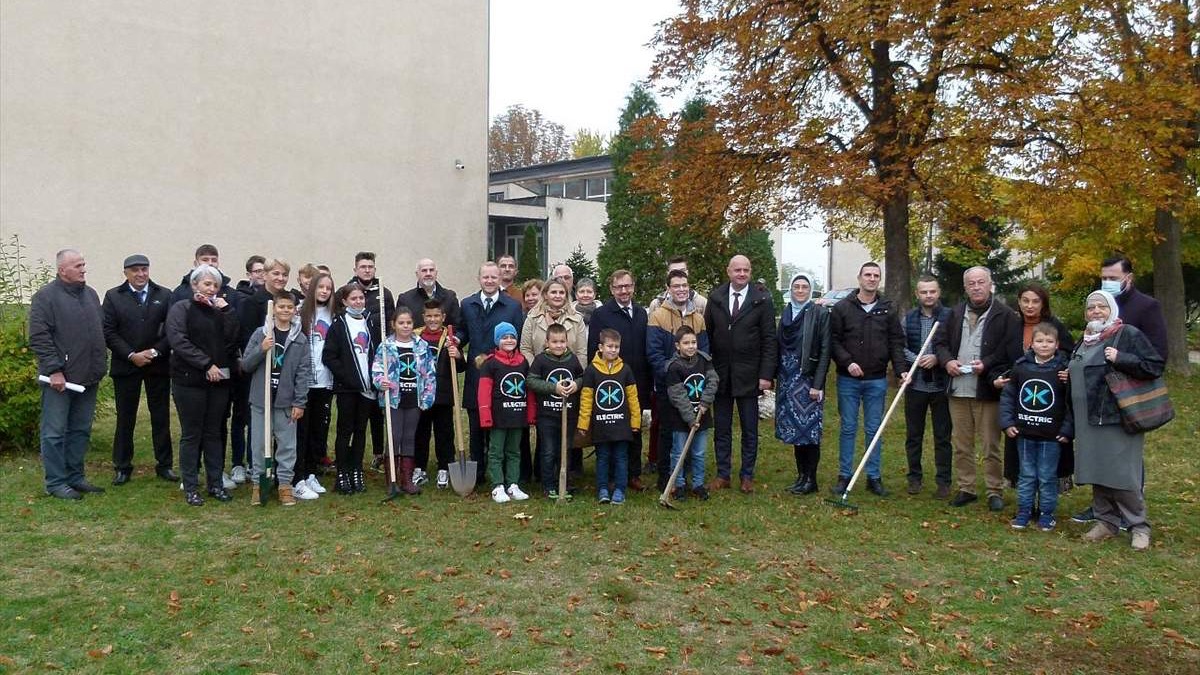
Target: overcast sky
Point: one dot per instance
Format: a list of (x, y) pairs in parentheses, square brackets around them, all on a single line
[(576, 62)]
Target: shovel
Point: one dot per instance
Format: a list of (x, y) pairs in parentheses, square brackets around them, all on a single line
[(393, 489), (562, 459), (266, 479), (462, 472), (843, 501), (665, 498)]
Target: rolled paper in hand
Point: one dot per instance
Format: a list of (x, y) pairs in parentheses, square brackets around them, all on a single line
[(70, 385)]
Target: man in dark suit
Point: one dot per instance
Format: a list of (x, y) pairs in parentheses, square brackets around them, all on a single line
[(428, 288), (628, 318), (740, 319), (481, 313), (135, 315)]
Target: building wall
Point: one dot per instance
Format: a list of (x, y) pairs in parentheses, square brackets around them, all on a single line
[(845, 259), (305, 129), (572, 222)]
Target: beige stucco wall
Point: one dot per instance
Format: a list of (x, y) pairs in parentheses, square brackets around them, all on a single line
[(307, 129), (572, 222)]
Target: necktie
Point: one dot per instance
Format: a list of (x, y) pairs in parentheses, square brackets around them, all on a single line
[(487, 305), (142, 297), (737, 305), (629, 312)]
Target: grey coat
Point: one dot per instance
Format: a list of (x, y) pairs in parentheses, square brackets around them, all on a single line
[(66, 332), (295, 376)]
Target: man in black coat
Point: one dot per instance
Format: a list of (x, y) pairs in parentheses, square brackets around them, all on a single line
[(979, 345), (135, 315), (628, 318), (1137, 309), (740, 320), (428, 288)]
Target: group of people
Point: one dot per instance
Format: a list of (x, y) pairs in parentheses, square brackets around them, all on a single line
[(547, 353)]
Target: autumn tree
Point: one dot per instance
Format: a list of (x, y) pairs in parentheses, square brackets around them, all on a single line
[(1117, 162), (588, 143), (856, 108), (522, 137)]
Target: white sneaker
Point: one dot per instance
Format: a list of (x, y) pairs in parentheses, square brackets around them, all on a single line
[(239, 474), (443, 479), (227, 482), (420, 477), (302, 491), (498, 494), (514, 491), (314, 484)]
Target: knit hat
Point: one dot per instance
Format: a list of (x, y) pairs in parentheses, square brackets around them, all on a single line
[(503, 328)]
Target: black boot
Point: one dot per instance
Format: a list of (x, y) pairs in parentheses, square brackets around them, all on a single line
[(812, 457), (342, 485), (801, 475), (360, 481)]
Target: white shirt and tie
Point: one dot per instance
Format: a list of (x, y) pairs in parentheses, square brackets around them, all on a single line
[(736, 298)]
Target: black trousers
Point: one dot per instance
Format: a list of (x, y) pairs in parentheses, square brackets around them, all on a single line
[(354, 410), (239, 422), (747, 407), (201, 417), (378, 431), (312, 433), (436, 423), (916, 403), (127, 391)]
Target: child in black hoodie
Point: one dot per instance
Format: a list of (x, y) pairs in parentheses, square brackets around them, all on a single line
[(554, 377), (1035, 410)]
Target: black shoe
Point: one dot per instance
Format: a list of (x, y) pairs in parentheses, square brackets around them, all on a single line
[(1084, 516), (85, 487), (360, 481), (193, 499), (167, 475), (679, 494), (121, 477), (64, 492), (875, 486), (943, 492), (914, 486), (810, 485), (995, 503), (839, 488), (220, 494), (963, 498), (794, 488), (700, 493)]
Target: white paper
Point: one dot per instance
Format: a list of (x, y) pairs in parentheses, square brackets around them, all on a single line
[(70, 385)]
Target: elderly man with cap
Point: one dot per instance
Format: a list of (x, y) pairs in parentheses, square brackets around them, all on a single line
[(67, 336), (135, 315)]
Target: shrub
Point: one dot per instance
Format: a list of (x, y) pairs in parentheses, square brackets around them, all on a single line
[(18, 385)]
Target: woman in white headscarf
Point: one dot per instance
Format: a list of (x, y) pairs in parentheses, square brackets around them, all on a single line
[(1106, 456), (804, 350)]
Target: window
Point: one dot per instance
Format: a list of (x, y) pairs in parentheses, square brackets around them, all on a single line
[(555, 189), (597, 189), (576, 189)]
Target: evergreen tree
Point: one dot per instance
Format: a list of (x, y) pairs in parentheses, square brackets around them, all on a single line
[(977, 242), (581, 266), (529, 266)]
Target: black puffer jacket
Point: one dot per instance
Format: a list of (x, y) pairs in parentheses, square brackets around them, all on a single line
[(1136, 357), (870, 339), (201, 337)]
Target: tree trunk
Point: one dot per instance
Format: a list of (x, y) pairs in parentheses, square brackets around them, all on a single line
[(898, 281), (1168, 288)]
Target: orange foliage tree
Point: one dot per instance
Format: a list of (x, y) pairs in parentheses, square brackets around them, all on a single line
[(857, 109)]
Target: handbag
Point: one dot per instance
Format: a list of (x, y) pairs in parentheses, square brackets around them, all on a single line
[(1144, 404)]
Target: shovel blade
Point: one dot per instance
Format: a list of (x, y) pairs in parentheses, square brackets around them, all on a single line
[(462, 477), (266, 480), (393, 492)]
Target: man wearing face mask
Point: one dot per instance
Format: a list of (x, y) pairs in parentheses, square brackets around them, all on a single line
[(1137, 309)]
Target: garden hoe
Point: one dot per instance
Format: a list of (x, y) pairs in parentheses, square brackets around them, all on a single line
[(843, 501), (393, 489), (462, 472), (665, 498), (266, 479)]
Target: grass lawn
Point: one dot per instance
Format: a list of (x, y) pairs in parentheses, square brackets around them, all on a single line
[(136, 581)]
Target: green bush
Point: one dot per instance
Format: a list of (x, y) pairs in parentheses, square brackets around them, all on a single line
[(19, 388)]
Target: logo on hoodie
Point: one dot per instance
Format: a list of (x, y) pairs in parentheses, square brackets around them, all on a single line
[(559, 375), (610, 395), (694, 385), (1036, 396), (512, 386)]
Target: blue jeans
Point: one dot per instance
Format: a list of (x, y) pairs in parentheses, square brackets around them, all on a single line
[(1039, 472), (65, 433), (612, 464), (852, 392), (678, 438)]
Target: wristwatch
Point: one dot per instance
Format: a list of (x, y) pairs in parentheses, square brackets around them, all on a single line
[(153, 353)]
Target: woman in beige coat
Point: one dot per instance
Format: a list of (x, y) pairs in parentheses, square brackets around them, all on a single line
[(554, 307)]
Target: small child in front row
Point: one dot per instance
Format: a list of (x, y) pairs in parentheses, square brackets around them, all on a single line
[(1035, 410), (609, 407), (506, 406), (290, 369), (405, 389), (438, 421), (692, 387), (554, 378)]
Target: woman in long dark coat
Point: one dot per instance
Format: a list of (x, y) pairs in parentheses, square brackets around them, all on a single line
[(803, 363)]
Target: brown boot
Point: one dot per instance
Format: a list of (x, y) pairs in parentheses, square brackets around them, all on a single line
[(285, 495), (255, 495), (407, 464)]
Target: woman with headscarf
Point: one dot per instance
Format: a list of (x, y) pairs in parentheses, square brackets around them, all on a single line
[(804, 351), (1106, 456)]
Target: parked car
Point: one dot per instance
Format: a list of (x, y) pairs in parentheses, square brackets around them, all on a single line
[(830, 299)]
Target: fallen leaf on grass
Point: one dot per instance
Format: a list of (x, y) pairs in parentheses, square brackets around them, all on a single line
[(1144, 606), (100, 653), (256, 535), (657, 652), (907, 662), (247, 630), (522, 516), (745, 659), (1174, 636), (505, 574), (772, 651), (173, 604)]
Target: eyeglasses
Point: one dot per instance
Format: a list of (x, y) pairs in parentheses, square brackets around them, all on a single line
[(1100, 306), (622, 287)]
